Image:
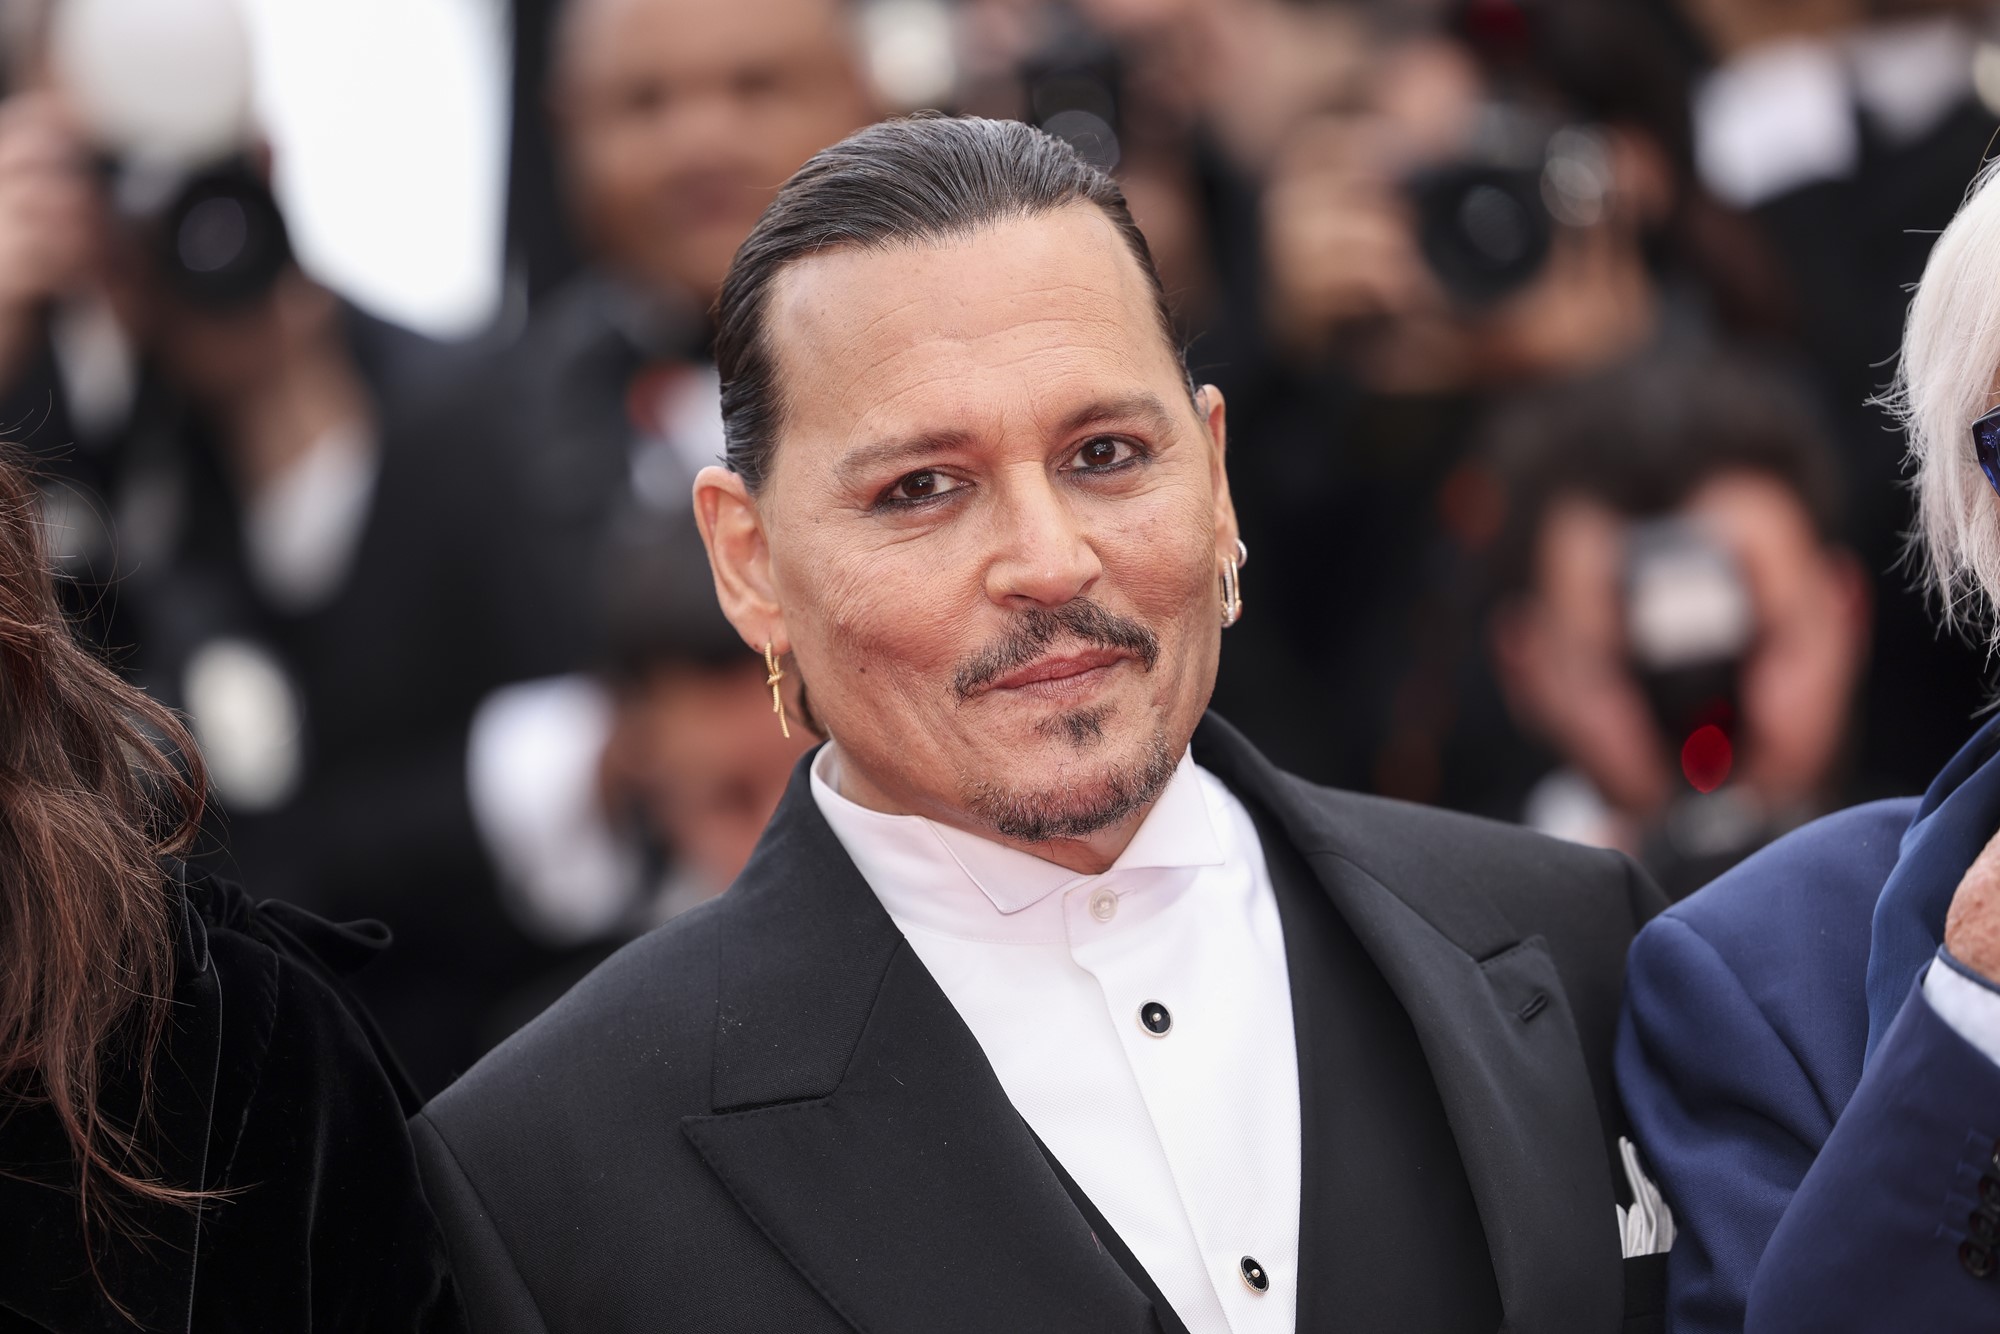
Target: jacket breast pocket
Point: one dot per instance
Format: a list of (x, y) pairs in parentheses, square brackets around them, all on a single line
[(1645, 1295)]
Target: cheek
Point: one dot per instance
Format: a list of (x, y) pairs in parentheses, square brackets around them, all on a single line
[(1162, 570), (1161, 561), (886, 620)]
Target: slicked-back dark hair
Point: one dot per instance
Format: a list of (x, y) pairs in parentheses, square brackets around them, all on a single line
[(920, 180)]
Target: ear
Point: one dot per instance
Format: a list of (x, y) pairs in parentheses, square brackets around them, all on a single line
[(1214, 419), (739, 555)]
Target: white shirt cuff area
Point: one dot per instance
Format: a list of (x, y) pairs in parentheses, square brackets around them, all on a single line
[(1971, 1005)]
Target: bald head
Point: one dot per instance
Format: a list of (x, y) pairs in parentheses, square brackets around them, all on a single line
[(679, 119)]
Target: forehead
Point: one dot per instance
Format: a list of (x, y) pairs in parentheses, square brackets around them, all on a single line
[(607, 41), (1014, 324)]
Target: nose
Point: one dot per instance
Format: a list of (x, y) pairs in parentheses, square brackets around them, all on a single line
[(1042, 554)]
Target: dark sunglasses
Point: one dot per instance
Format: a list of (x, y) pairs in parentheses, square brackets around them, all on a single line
[(1986, 446)]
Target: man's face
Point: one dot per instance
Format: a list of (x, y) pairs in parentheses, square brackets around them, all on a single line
[(994, 528), (1565, 657), (680, 119)]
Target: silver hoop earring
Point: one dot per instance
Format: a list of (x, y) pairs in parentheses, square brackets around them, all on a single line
[(1232, 586)]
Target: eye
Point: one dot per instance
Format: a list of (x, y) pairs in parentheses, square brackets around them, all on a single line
[(1105, 453), (917, 487)]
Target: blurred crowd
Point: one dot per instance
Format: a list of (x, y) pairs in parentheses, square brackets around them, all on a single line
[(1548, 332)]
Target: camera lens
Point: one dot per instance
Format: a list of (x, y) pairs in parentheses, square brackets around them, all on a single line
[(1495, 226), (212, 235), (222, 242), (1484, 231), (1093, 139)]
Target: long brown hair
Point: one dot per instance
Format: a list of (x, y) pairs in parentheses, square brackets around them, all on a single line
[(98, 782)]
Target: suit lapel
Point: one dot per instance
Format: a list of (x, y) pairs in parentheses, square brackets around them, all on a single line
[(1497, 1034), (858, 1123)]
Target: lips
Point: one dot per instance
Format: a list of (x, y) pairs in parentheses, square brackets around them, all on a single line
[(1056, 670)]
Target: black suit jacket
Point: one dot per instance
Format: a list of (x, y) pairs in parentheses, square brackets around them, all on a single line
[(766, 1115)]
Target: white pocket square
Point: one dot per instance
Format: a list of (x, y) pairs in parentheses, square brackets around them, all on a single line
[(1647, 1228)]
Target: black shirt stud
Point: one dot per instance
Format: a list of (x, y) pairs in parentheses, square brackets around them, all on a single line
[(1153, 1017), (1253, 1273)]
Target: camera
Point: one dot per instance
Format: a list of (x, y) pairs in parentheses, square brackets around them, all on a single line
[(1482, 229), (1074, 85), (163, 88), (1689, 627), (1487, 220), (219, 243)]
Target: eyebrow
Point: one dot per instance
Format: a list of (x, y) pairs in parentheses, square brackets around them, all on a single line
[(1140, 406), (870, 459)]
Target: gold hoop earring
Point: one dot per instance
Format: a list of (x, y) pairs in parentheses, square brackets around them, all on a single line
[(1232, 585), (776, 675)]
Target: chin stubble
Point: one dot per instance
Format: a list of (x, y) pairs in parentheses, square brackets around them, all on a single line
[(1073, 811), (1077, 809)]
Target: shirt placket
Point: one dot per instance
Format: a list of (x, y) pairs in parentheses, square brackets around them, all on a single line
[(1190, 1037)]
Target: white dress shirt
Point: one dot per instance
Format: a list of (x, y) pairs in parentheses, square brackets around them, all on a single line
[(1187, 1141)]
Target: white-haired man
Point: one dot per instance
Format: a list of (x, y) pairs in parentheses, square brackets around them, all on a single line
[(1811, 1045)]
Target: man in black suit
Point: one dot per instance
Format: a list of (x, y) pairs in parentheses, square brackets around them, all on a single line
[(1045, 1003)]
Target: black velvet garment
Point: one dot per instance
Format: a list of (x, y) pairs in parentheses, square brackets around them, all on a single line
[(269, 1086)]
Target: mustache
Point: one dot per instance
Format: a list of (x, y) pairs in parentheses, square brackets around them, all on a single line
[(1081, 620)]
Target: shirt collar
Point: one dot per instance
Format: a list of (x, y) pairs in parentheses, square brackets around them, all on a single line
[(961, 883)]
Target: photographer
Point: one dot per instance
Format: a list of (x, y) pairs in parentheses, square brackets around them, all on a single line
[(1677, 621), (1508, 203), (1845, 131), (244, 493)]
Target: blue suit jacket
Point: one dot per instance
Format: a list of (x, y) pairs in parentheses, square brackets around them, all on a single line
[(1808, 1194)]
